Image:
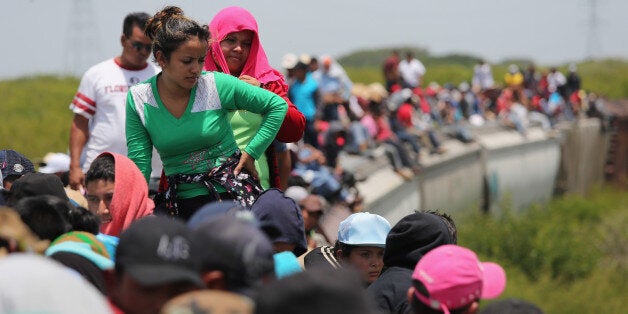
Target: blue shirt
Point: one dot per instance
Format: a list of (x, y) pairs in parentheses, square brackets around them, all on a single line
[(303, 95)]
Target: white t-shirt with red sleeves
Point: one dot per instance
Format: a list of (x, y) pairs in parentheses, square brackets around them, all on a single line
[(101, 98)]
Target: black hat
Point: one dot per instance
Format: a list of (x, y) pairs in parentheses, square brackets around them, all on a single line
[(273, 207), (158, 250), (213, 210), (237, 248), (35, 184), (413, 236), (216, 209)]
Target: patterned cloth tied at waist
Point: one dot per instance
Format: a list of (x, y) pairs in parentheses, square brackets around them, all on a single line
[(243, 188)]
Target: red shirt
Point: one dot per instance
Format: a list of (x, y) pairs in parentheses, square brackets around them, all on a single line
[(384, 131), (294, 123), (404, 115), (390, 67)]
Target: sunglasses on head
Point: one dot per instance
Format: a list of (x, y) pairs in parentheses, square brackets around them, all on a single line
[(139, 46)]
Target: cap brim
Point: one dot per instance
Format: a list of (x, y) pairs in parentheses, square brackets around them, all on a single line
[(153, 275), (48, 170), (494, 281), (380, 245), (271, 231)]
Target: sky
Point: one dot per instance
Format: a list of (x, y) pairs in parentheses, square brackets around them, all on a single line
[(68, 36)]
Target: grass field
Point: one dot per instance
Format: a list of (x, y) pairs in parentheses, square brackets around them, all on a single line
[(35, 115)]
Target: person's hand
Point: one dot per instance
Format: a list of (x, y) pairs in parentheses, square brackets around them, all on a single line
[(247, 162), (251, 80), (320, 157), (77, 178)]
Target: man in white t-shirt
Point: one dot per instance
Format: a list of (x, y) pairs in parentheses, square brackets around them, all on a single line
[(411, 71), (99, 104)]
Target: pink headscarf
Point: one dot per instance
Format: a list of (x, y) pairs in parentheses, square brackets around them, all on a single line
[(130, 196), (235, 19)]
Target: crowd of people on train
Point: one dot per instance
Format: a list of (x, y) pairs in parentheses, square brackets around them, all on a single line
[(214, 183)]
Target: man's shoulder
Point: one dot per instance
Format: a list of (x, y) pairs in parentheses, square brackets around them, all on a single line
[(109, 69), (321, 257), (392, 277), (111, 65), (101, 65)]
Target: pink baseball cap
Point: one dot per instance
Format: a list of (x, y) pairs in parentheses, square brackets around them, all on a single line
[(454, 277)]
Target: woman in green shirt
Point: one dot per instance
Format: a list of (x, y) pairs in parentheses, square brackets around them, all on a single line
[(182, 112)]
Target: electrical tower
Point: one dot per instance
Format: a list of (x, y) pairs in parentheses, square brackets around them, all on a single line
[(82, 39)]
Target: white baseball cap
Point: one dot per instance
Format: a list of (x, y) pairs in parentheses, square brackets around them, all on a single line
[(55, 162)]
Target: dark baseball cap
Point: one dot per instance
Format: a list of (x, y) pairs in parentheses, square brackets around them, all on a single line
[(237, 248), (221, 208), (273, 207), (35, 184), (13, 163), (158, 250)]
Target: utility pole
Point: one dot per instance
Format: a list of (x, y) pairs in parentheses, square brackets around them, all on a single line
[(82, 40), (593, 41)]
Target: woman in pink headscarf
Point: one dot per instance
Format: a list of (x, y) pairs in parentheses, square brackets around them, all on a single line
[(235, 49), (117, 192)]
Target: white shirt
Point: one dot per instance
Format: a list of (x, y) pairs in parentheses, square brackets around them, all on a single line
[(101, 98), (555, 80), (483, 76), (411, 71)]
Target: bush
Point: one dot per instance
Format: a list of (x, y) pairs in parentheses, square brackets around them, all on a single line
[(567, 256)]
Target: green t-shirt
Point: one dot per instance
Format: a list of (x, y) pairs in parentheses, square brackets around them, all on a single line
[(245, 124), (202, 137)]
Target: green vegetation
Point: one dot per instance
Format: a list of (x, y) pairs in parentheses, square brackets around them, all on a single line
[(35, 115), (608, 77), (569, 256)]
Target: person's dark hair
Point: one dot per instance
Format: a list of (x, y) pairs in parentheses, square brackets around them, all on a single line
[(119, 270), (295, 180), (138, 19), (82, 219), (169, 28), (310, 66), (419, 307), (102, 168), (451, 226), (10, 179), (300, 66), (65, 178), (319, 290), (46, 215), (344, 248), (375, 108)]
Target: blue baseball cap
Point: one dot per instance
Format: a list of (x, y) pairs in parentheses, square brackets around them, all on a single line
[(364, 229), (13, 163)]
